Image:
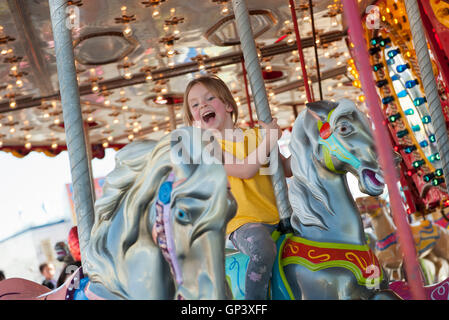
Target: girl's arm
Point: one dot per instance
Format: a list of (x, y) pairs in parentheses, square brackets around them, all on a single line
[(248, 167)]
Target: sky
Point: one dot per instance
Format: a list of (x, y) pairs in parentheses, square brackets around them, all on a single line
[(33, 188)]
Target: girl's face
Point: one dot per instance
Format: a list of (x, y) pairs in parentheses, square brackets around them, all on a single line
[(208, 111)]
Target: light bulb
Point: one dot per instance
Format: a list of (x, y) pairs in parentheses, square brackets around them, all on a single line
[(156, 12), (95, 88), (12, 104), (170, 51), (224, 9), (127, 73), (127, 31)]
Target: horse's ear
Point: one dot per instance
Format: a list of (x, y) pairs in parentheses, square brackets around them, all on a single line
[(320, 109), (314, 114)]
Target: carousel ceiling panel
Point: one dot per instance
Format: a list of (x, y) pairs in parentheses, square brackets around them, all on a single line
[(134, 59)]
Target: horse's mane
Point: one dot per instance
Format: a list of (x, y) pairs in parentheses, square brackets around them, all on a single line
[(308, 197), (130, 165), (123, 213)]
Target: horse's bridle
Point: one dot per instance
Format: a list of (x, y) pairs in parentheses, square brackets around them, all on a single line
[(333, 147), (163, 227)]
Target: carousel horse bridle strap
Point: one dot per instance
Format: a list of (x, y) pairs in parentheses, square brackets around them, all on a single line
[(386, 242), (333, 147), (163, 227)]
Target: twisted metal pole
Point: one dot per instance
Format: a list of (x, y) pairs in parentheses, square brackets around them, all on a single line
[(384, 148), (429, 84), (258, 89), (248, 98), (73, 122)]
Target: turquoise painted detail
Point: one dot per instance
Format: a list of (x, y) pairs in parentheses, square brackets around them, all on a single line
[(279, 289), (235, 267), (237, 263), (79, 293), (338, 150)]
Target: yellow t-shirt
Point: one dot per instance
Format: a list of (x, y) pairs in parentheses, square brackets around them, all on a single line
[(255, 197)]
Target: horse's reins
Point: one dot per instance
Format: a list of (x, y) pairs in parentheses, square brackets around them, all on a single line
[(163, 227)]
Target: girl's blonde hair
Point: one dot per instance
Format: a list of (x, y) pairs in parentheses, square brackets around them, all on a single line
[(218, 88)]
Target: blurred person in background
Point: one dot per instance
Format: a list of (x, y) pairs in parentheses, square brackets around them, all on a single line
[(69, 254), (48, 270)]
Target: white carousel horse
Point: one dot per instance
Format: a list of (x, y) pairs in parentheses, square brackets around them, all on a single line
[(159, 228), (326, 256)]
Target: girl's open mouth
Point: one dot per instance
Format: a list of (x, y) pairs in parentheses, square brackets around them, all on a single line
[(208, 116)]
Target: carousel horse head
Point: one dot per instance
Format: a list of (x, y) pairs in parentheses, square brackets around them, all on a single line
[(337, 137), (341, 141), (159, 228)]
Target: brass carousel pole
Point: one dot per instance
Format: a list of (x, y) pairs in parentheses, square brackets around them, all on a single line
[(73, 121)]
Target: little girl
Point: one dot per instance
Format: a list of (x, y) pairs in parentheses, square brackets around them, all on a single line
[(208, 103)]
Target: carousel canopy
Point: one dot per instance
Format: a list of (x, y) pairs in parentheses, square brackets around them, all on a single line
[(134, 59)]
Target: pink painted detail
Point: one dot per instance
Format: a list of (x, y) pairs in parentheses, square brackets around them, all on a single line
[(443, 223), (255, 276), (388, 241), (439, 291), (402, 289)]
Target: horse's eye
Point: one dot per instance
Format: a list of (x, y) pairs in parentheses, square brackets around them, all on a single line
[(344, 129), (182, 216)]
